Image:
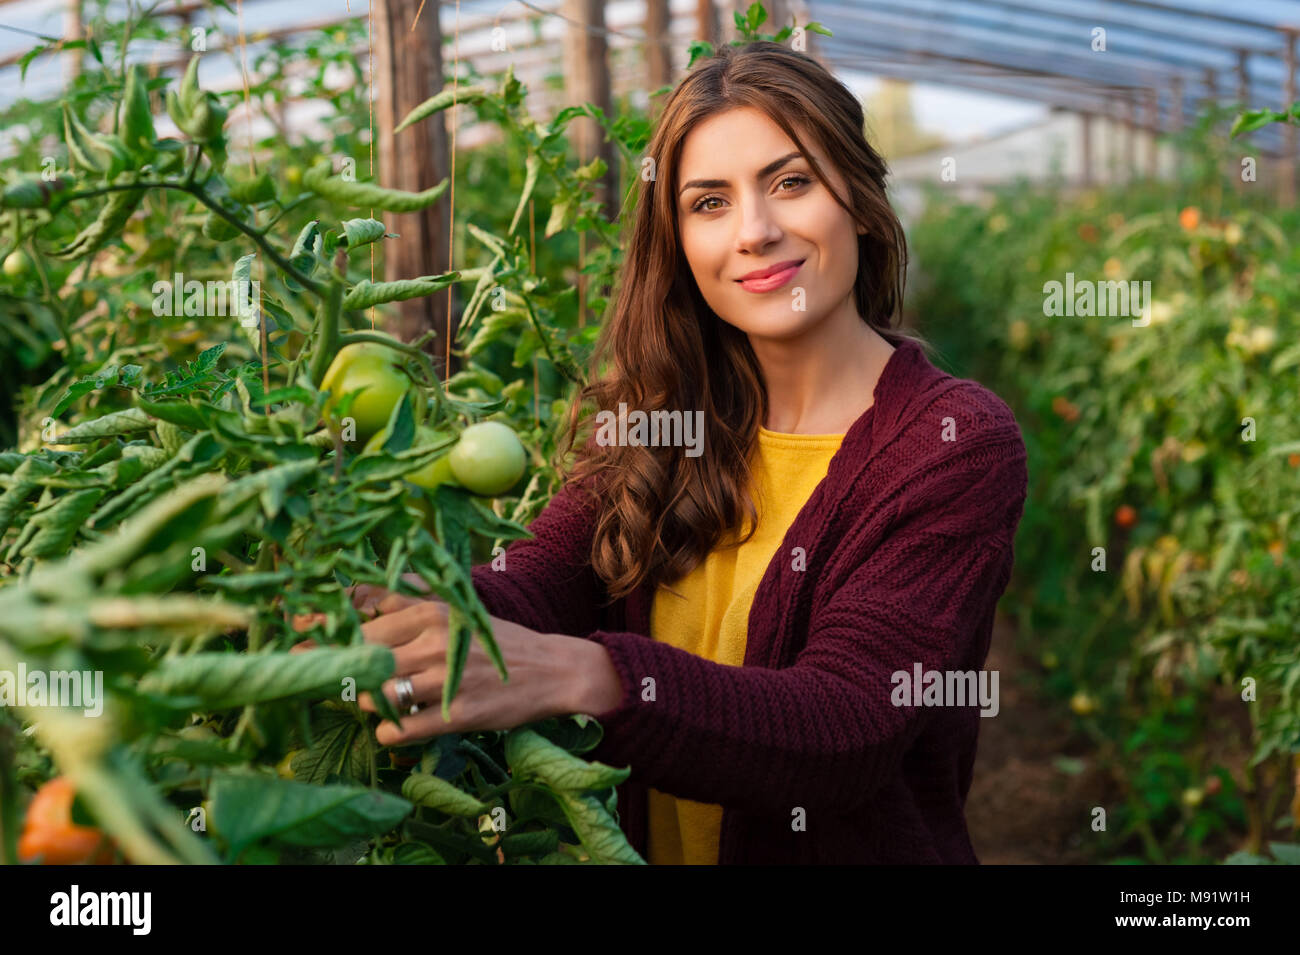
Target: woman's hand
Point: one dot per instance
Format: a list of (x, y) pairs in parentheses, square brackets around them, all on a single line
[(550, 674), (544, 672)]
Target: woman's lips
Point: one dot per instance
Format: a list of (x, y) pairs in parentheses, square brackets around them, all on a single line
[(772, 282)]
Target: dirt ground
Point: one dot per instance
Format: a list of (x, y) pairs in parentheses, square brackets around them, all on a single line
[(1022, 809)]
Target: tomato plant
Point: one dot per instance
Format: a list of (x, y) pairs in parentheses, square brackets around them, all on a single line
[(1178, 421), (181, 507)]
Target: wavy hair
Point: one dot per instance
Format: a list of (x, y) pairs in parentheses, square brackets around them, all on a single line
[(662, 347)]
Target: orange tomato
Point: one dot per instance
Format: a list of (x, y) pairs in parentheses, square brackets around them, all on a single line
[(1088, 232), (1189, 218), (1125, 516), (1293, 460), (49, 833), (1064, 408)]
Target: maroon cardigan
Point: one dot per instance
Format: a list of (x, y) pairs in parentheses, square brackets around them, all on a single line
[(908, 547)]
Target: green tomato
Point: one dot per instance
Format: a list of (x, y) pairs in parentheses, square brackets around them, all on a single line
[(431, 475), (293, 175), (373, 367), (488, 459), (17, 264)]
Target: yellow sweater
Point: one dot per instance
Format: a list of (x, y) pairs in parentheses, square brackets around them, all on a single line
[(711, 618)]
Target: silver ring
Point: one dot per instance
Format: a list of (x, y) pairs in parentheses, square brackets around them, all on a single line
[(405, 693)]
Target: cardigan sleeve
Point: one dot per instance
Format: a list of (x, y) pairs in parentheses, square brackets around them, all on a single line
[(546, 582), (823, 733)]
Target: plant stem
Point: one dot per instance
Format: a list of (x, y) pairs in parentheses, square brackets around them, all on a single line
[(465, 746), (198, 193), (327, 341)]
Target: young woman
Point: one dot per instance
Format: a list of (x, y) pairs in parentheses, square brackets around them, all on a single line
[(753, 621)]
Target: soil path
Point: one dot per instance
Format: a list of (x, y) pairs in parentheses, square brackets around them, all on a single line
[(1022, 809)]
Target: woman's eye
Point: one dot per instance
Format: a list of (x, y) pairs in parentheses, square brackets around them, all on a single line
[(798, 180)]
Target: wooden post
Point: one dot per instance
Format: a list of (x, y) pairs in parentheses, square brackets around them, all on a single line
[(588, 82), (1151, 115), (1286, 190), (706, 22), (658, 60), (72, 31), (408, 70), (1085, 120), (1130, 137)]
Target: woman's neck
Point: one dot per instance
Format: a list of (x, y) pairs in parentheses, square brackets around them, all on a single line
[(823, 382)]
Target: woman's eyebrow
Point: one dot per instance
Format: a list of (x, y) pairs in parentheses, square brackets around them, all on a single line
[(767, 170)]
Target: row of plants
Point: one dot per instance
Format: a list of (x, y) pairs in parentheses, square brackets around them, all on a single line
[(188, 483), (1157, 577)]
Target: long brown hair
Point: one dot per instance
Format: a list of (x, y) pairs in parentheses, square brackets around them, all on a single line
[(660, 511)]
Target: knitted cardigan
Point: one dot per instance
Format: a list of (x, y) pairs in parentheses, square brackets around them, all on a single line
[(897, 559)]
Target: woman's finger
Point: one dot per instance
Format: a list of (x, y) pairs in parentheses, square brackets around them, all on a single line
[(303, 647), (423, 725), (403, 626), (426, 689), (303, 622)]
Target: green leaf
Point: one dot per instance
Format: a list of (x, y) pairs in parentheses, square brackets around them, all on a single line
[(58, 524), (358, 232), (1287, 853), (596, 828), (431, 792), (366, 293), (180, 413), (251, 192), (116, 422), (222, 681), (340, 746), (532, 165), (532, 756), (248, 808), (368, 195), (136, 126), (1252, 120), (306, 254), (517, 844), (439, 102)]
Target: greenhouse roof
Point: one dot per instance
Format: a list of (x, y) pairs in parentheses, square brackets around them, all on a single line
[(1175, 53), (1051, 50)]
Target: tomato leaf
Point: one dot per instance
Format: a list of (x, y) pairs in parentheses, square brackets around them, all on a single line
[(248, 808)]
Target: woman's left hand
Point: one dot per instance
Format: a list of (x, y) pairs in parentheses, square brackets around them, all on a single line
[(546, 673)]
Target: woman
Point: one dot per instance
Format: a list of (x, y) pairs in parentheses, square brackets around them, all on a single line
[(740, 618)]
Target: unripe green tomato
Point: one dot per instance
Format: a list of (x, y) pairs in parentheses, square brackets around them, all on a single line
[(373, 367), (17, 264), (431, 475), (488, 459), (293, 175)]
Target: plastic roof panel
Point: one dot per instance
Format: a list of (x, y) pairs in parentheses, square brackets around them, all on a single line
[(1042, 50)]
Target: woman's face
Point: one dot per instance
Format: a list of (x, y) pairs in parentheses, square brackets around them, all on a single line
[(747, 200)]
